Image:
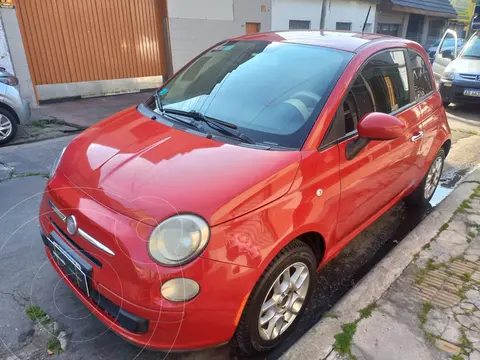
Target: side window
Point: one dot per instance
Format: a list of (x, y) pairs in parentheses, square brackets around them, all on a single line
[(448, 43), (381, 86), (386, 75), (421, 77)]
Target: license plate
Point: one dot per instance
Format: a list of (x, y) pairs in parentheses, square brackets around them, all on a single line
[(470, 92), (71, 264)]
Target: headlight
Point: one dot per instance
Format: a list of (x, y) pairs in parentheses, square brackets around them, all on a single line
[(448, 75), (56, 163), (178, 240), (9, 80)]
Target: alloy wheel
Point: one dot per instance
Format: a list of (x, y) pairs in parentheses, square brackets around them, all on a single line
[(433, 177), (284, 301), (5, 127)]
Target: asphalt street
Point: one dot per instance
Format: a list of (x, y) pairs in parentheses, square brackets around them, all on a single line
[(26, 277)]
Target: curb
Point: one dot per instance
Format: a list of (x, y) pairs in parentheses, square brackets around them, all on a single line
[(318, 342)]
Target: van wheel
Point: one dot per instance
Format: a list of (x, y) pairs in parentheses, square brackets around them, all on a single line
[(278, 299), (8, 126), (424, 192)]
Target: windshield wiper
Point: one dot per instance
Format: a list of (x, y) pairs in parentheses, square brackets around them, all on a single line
[(221, 126)]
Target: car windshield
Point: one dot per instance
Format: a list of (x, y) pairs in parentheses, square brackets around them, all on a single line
[(271, 91), (472, 49)]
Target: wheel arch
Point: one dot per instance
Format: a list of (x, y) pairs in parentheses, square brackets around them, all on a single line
[(10, 110), (316, 242), (446, 146)]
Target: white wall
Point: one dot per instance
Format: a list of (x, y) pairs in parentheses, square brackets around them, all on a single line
[(18, 58), (285, 10), (194, 29), (5, 60), (354, 12), (201, 9)]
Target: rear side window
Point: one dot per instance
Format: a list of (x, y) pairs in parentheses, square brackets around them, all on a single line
[(386, 75), (422, 81)]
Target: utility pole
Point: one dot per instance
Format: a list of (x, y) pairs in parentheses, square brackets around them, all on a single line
[(323, 14)]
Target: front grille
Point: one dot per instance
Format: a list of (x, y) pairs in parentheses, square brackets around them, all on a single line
[(471, 77)]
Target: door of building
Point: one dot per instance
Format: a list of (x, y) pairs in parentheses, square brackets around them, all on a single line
[(252, 28), (415, 27)]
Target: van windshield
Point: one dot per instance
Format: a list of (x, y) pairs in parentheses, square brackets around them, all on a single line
[(273, 92)]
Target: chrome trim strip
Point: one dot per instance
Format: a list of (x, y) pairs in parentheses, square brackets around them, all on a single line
[(80, 232), (95, 242), (61, 215)]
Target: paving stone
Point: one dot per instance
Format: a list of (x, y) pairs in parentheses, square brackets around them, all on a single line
[(452, 332), (472, 258), (467, 306), (458, 310), (465, 320), (474, 338), (459, 226), (448, 244), (437, 322), (476, 276), (474, 218), (477, 314), (474, 356), (473, 297)]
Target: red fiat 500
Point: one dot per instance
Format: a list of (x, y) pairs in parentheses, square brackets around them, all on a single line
[(203, 215)]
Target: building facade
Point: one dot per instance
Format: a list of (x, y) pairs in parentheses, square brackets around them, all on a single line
[(67, 49), (417, 20), (339, 15)]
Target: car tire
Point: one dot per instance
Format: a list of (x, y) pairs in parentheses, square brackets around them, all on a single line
[(423, 193), (7, 119), (251, 337)]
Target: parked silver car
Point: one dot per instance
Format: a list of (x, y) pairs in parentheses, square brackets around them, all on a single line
[(458, 76), (13, 109)]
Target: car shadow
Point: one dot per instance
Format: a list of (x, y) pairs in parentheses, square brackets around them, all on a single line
[(353, 263)]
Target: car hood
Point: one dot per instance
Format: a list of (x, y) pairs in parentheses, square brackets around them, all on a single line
[(150, 171), (467, 66)]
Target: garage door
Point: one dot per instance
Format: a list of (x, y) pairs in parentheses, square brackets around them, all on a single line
[(86, 40)]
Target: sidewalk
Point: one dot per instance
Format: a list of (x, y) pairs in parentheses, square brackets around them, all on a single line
[(70, 117), (421, 303), (86, 112)]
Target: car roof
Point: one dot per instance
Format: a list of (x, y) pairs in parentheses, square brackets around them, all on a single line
[(342, 40)]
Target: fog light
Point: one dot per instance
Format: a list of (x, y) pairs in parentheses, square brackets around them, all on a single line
[(180, 289)]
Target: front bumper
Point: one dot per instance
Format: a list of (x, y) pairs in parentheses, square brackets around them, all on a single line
[(17, 103), (128, 283), (452, 91)]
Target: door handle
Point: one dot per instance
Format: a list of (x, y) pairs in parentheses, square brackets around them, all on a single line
[(418, 136)]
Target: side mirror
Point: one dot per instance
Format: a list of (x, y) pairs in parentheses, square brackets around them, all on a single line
[(448, 54), (375, 126), (380, 126)]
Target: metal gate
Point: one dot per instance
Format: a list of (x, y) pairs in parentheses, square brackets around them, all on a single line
[(86, 40)]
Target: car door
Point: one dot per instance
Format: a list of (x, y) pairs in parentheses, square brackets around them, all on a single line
[(445, 54), (430, 106), (381, 171)]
